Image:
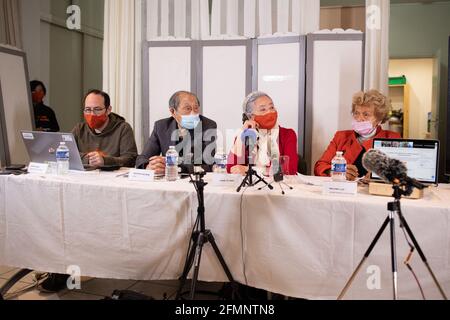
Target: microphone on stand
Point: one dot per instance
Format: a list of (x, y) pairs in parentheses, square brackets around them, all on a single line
[(390, 170), (250, 138)]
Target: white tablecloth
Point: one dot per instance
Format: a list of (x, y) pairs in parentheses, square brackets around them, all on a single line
[(303, 244)]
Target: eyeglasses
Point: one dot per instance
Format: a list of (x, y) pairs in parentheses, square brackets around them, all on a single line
[(96, 111)]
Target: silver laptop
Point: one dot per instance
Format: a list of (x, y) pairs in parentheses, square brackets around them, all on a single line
[(420, 156), (41, 147)]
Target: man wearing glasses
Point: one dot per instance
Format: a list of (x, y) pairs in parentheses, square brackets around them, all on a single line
[(193, 135), (104, 138)]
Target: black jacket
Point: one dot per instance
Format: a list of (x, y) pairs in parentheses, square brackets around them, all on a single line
[(166, 134), (45, 118)]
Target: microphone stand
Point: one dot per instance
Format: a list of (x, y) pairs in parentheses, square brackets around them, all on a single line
[(394, 208), (279, 178), (251, 173), (199, 238)]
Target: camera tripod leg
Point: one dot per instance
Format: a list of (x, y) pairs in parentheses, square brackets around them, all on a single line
[(421, 254), (366, 255), (188, 266), (197, 258), (211, 240), (225, 268), (393, 256)]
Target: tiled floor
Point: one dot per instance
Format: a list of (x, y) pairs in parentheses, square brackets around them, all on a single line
[(98, 289)]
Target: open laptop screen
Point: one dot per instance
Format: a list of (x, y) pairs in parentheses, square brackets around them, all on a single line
[(41, 147), (420, 156)]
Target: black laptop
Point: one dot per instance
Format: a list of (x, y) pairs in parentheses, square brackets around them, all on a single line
[(420, 156)]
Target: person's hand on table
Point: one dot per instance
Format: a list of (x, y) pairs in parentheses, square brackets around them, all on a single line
[(96, 159), (366, 179), (242, 170), (352, 172), (157, 164)]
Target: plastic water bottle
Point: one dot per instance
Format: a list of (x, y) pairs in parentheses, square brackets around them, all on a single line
[(62, 159), (339, 167), (172, 164), (220, 162)]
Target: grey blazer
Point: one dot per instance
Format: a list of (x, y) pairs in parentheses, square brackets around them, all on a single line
[(166, 134)]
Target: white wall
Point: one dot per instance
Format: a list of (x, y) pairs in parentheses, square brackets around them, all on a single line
[(419, 74), (31, 33)]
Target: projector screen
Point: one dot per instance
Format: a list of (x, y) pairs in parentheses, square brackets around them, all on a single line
[(16, 108)]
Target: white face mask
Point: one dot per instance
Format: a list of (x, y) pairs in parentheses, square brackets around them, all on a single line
[(190, 122)]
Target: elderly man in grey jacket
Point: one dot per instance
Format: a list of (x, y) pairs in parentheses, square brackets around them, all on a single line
[(193, 135)]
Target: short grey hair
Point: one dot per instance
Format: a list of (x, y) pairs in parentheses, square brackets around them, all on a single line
[(175, 100), (249, 102)]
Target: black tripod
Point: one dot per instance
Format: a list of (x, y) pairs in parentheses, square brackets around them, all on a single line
[(249, 179), (394, 208), (251, 173), (199, 238), (279, 178)]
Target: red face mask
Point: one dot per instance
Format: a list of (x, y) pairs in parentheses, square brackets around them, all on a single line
[(38, 96), (95, 122), (267, 121)]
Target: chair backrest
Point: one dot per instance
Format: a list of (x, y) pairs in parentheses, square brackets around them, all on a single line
[(302, 166)]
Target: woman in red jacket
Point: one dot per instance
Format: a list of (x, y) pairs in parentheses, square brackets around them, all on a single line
[(273, 141), (370, 110)]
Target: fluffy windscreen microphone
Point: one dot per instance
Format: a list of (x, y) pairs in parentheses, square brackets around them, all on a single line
[(388, 169), (383, 166)]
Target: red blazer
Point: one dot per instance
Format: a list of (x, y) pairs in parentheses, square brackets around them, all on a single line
[(347, 142), (288, 144)]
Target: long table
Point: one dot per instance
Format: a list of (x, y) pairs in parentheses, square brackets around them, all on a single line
[(303, 244)]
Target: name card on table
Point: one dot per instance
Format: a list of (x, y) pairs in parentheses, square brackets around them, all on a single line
[(38, 168), (141, 175), (226, 180), (345, 188)]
